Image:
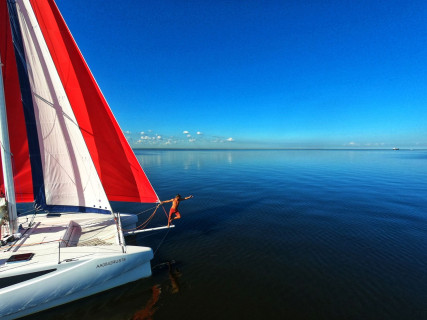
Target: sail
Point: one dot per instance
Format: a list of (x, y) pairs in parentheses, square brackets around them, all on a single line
[(80, 158), (118, 168), (15, 115)]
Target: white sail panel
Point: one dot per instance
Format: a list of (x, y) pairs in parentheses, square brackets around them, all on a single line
[(70, 177)]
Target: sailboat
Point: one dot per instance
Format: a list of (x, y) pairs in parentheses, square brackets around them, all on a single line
[(63, 150)]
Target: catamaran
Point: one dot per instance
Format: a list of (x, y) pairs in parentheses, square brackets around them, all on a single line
[(63, 150)]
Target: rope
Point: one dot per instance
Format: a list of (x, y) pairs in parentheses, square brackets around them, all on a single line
[(167, 216), (161, 242), (146, 222), (137, 214)]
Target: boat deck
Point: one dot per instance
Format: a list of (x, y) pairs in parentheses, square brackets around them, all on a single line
[(69, 236)]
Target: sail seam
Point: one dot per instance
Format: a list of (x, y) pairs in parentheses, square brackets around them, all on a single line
[(53, 107)]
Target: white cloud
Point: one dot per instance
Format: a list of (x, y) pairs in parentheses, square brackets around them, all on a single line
[(149, 138)]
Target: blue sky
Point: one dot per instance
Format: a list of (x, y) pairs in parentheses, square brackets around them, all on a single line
[(254, 74)]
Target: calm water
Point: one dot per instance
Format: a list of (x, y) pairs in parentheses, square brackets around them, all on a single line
[(280, 235)]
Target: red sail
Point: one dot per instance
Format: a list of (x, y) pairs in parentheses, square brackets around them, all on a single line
[(119, 170), (15, 114)]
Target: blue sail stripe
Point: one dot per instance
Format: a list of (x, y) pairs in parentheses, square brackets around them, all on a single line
[(27, 102), (81, 209)]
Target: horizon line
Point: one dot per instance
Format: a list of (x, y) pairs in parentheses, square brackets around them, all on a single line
[(349, 149)]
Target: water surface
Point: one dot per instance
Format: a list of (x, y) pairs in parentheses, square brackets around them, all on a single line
[(280, 234)]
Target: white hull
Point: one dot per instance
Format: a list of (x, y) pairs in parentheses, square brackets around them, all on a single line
[(76, 271), (72, 281)]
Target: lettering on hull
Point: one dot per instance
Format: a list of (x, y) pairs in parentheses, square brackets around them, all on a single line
[(109, 263)]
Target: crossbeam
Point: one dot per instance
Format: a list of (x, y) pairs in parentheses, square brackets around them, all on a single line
[(151, 229)]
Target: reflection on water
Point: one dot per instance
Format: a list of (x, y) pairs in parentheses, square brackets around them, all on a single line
[(173, 273), (172, 287), (148, 311), (191, 159)]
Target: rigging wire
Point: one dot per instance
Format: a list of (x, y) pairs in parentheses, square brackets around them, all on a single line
[(161, 242)]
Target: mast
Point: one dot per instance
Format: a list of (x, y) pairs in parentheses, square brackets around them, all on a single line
[(6, 160)]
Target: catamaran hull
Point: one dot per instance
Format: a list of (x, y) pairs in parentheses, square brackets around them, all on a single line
[(74, 280)]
